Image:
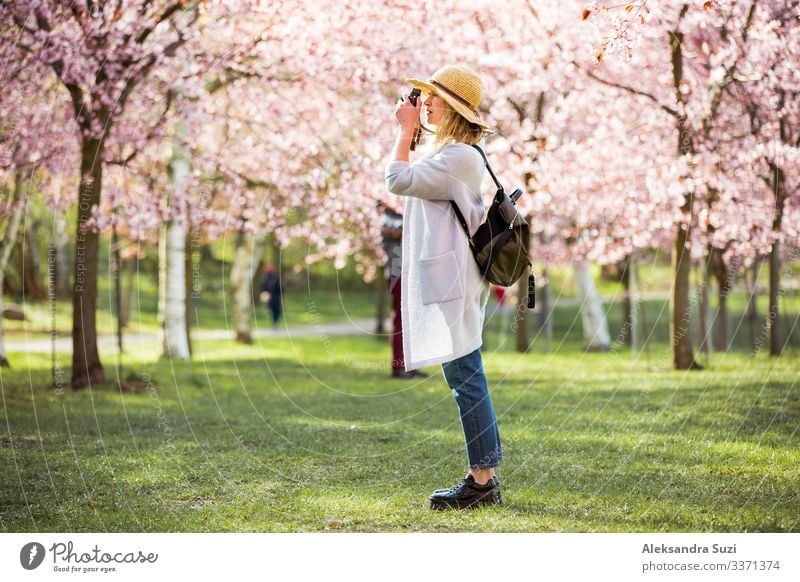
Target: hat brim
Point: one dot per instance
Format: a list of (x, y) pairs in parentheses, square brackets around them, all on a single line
[(421, 85), (462, 109)]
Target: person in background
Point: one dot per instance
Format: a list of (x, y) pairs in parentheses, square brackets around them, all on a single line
[(272, 293), (392, 231), (504, 308)]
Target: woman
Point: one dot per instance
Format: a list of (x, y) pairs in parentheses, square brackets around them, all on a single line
[(443, 295)]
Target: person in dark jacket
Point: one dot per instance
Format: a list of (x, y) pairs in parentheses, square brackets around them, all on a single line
[(272, 293), (392, 231)]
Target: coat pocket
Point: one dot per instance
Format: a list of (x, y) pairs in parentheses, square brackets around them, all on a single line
[(440, 279)]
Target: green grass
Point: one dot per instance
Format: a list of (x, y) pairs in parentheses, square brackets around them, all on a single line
[(310, 435)]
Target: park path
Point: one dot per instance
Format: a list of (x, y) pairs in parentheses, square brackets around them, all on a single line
[(365, 326), (134, 340)]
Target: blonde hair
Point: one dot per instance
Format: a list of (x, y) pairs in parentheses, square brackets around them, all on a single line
[(454, 127)]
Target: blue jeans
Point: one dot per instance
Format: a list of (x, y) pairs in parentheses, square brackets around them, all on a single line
[(467, 380)]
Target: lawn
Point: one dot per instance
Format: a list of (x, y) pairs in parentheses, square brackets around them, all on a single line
[(309, 434)]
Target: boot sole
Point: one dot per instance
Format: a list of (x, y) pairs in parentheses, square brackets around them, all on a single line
[(443, 505)]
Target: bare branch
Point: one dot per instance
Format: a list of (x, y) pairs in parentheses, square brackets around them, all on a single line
[(150, 134), (168, 12), (627, 88)]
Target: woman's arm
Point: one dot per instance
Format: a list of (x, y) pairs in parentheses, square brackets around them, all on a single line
[(402, 145), (407, 116), (433, 178)]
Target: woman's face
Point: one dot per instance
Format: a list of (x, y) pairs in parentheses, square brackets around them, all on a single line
[(435, 107)]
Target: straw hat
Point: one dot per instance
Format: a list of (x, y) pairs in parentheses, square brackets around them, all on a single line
[(460, 86)]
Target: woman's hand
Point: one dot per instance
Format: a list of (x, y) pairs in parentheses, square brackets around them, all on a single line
[(407, 114), (408, 117)]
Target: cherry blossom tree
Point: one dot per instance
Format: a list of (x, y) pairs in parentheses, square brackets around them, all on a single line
[(651, 129), (769, 98), (11, 212), (100, 53), (697, 52)]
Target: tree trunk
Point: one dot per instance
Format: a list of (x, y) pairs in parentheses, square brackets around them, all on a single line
[(683, 356), (706, 345), (176, 342), (721, 329), (595, 324), (778, 179), (176, 345), (249, 248), (752, 306), (116, 270), (635, 301), (627, 303), (276, 256), (86, 366), (60, 258), (722, 273), (32, 282), (545, 311), (775, 346), (162, 277), (129, 267), (9, 236), (191, 272)]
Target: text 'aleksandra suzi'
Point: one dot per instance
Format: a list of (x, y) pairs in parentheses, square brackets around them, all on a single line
[(692, 549)]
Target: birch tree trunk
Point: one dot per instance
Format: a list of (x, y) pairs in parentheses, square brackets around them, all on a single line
[(176, 345), (173, 280), (249, 248), (9, 236), (595, 324)]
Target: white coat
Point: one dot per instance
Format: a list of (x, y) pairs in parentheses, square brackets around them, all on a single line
[(443, 295)]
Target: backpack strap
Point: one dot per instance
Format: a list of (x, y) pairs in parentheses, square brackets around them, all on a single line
[(460, 216), (531, 288), (463, 224), (488, 167), (455, 206)]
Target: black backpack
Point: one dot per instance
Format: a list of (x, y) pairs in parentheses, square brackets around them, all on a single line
[(501, 245)]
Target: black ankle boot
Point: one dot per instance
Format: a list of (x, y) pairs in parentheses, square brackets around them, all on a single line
[(467, 494)]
